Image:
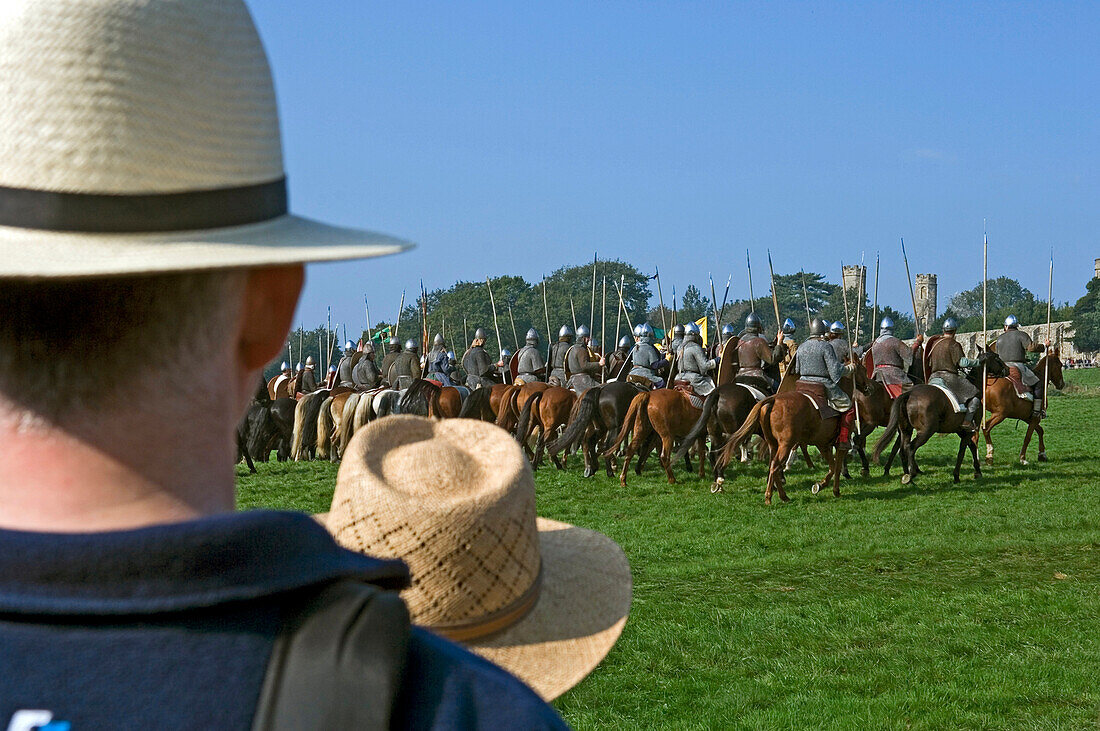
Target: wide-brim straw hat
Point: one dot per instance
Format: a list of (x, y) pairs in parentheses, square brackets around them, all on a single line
[(141, 137), (455, 499)]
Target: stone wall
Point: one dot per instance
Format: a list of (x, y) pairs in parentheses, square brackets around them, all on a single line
[(1061, 333)]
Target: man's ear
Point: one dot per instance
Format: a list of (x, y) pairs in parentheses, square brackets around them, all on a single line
[(271, 295)]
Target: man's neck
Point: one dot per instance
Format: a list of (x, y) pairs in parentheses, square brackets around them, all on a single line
[(113, 470)]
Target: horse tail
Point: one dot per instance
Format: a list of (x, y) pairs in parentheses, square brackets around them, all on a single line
[(761, 411), (347, 421), (637, 407), (525, 416), (710, 405), (581, 415), (363, 411), (507, 404), (325, 426), (897, 413), (300, 437), (475, 404), (420, 397)]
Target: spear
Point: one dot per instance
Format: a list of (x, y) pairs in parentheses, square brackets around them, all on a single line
[(985, 312), (622, 303), (725, 298), (496, 325), (714, 308), (917, 330), (400, 307), (851, 351), (366, 305), (290, 353), (1046, 354), (673, 307), (775, 298), (328, 337), (546, 312), (573, 312), (805, 297), (465, 331), (661, 299), (618, 312), (301, 335), (859, 301), (752, 297), (874, 317), (603, 330), (592, 308), (515, 335)]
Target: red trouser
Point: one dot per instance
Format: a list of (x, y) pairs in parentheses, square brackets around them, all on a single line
[(846, 421)]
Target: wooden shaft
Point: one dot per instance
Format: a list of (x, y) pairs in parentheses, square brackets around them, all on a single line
[(496, 325), (917, 330), (546, 313), (661, 300)]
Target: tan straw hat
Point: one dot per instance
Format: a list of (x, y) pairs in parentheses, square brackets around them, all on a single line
[(141, 136), (456, 500)]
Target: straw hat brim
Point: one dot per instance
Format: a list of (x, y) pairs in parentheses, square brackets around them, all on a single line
[(289, 239), (582, 608)]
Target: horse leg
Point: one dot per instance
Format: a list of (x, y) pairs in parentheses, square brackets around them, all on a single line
[(643, 452), (860, 443), (991, 422), (914, 444), (665, 457), (540, 444), (631, 448), (972, 445), (840, 457), (893, 453), (1042, 445), (959, 459), (779, 459)]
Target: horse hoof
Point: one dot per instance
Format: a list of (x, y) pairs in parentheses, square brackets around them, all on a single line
[(906, 479), (784, 498), (955, 479), (589, 473), (1023, 461), (767, 501), (1042, 456), (717, 486), (865, 473), (816, 488)]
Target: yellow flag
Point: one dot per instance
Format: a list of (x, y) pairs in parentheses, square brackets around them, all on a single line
[(702, 323)]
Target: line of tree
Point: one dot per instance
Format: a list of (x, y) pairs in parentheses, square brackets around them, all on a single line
[(1086, 319)]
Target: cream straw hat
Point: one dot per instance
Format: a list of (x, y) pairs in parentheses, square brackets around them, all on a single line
[(455, 499), (142, 136)]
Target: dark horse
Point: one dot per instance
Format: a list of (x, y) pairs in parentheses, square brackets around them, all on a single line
[(724, 411), (595, 420), (926, 410), (1003, 403), (267, 425)]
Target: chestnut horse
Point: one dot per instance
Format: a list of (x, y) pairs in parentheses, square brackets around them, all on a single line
[(788, 421), (482, 403), (426, 397), (1003, 403), (724, 411), (547, 410), (666, 413), (512, 400), (595, 420), (927, 410)]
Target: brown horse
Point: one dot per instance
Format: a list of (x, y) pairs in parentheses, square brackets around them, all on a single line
[(926, 410), (1003, 403), (789, 421), (512, 400), (874, 404), (426, 397), (547, 410), (595, 420), (724, 411), (665, 413), (483, 403), (329, 421)]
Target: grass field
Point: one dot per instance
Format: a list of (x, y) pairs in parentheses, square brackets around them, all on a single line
[(931, 605)]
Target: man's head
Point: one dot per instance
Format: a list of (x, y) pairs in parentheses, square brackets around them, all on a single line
[(393, 345), (480, 336), (950, 327), (1011, 323), (583, 334), (677, 331), (565, 335), (753, 323)]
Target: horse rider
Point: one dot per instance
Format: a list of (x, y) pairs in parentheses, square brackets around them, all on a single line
[(346, 365), (816, 361), (786, 336), (838, 338), (557, 356), (365, 373), (622, 353), (405, 367), (331, 376), (481, 371), (531, 366), (1013, 347), (753, 353), (892, 358), (676, 343), (646, 362), (393, 349), (439, 348), (583, 364), (307, 379), (694, 364), (944, 361), (716, 349)]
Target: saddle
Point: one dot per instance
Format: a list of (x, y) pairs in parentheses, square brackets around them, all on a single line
[(639, 381), (817, 395), (952, 399), (1017, 379), (685, 388)]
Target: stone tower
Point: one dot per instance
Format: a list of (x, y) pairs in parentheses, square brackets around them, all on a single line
[(925, 293), (1097, 264), (854, 277)]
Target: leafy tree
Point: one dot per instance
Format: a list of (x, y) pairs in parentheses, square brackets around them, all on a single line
[(693, 306), (1086, 319), (1090, 302)]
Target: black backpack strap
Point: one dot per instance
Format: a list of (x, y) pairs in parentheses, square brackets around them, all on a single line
[(338, 662)]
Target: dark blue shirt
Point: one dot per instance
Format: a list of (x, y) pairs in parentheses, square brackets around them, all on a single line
[(171, 627)]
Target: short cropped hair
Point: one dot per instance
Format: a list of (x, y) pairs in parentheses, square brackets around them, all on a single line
[(73, 344)]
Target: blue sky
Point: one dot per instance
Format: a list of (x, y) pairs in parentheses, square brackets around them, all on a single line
[(513, 138)]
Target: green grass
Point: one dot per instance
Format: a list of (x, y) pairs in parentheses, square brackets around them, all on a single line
[(924, 606)]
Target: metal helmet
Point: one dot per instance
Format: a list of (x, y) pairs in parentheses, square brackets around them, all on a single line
[(1011, 322), (647, 332), (727, 330), (949, 325), (309, 360), (753, 323), (451, 356), (480, 334), (565, 332), (788, 326), (505, 354), (583, 332), (438, 340), (368, 346), (532, 336), (299, 366), (332, 369), (818, 326), (624, 342), (837, 328), (410, 344), (677, 331), (285, 366), (692, 329), (886, 326), (637, 331), (394, 344)]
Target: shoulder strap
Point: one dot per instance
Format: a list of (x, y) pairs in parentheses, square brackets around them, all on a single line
[(338, 661)]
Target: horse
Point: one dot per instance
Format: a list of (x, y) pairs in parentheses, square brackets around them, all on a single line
[(482, 403), (1003, 403), (927, 410), (512, 400), (666, 413), (329, 421), (595, 419), (304, 445), (874, 404), (724, 411), (547, 410), (426, 397)]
